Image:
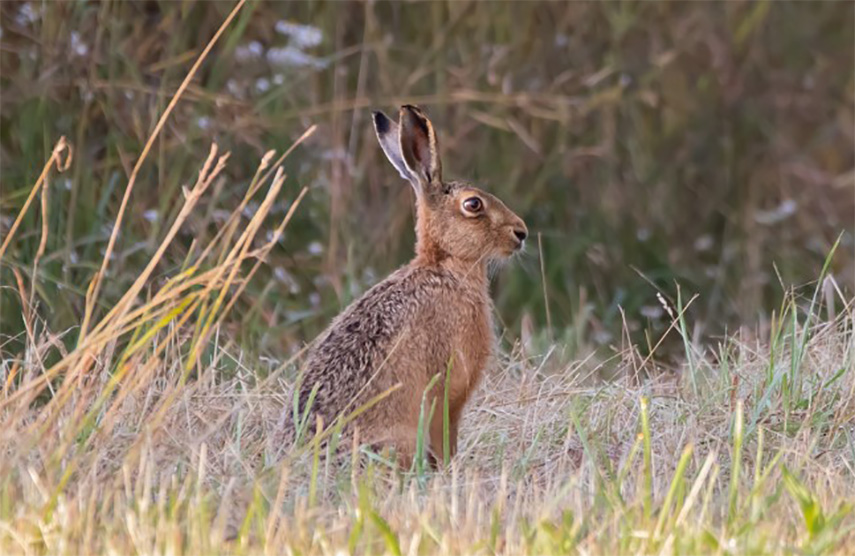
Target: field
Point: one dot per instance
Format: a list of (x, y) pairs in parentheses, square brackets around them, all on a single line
[(146, 356), (150, 436)]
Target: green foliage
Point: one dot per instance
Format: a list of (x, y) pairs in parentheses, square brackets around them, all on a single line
[(824, 531), (149, 432), (698, 143)]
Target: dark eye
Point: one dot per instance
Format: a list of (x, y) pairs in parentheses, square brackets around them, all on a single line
[(473, 204)]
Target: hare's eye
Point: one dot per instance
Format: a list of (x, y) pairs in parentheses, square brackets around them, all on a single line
[(473, 204)]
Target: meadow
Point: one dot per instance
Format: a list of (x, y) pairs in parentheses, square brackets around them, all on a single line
[(676, 370)]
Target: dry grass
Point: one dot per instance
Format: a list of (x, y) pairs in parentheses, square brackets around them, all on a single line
[(152, 436), (151, 433), (760, 459)]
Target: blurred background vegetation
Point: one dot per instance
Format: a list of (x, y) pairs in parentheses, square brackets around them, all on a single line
[(708, 144)]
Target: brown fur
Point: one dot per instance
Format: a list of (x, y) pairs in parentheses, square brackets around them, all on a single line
[(433, 312)]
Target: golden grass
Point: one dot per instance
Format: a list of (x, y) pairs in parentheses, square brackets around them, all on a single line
[(153, 434), (140, 459)]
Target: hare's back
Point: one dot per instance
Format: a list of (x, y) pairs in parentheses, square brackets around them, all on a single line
[(359, 340)]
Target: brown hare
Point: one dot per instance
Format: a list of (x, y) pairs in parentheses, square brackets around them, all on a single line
[(431, 316)]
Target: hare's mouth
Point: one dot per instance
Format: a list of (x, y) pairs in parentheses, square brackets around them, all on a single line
[(513, 248)]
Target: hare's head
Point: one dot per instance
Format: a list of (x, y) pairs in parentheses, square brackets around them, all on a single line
[(455, 219)]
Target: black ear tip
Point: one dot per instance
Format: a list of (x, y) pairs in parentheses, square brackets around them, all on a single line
[(381, 121), (412, 113), (412, 108)]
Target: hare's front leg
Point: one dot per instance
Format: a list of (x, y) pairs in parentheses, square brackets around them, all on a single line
[(402, 437), (437, 435)]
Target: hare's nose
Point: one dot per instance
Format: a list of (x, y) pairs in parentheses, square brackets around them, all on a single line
[(521, 234)]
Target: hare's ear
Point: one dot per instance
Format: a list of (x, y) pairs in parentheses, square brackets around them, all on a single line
[(389, 138), (419, 146)]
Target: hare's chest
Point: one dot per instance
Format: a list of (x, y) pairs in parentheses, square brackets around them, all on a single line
[(472, 346)]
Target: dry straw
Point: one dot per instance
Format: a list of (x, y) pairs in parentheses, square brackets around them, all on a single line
[(151, 435)]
